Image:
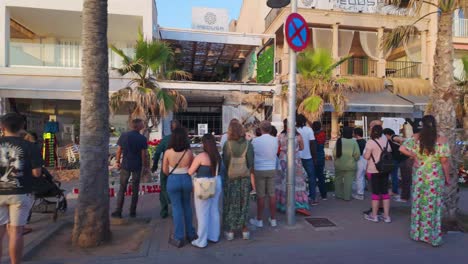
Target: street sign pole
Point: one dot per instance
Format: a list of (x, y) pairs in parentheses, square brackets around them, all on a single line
[(290, 182)]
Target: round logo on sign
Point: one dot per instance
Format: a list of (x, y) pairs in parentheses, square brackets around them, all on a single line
[(297, 32), (210, 18)]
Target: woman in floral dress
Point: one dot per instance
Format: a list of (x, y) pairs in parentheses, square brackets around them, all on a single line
[(430, 153), (302, 200)]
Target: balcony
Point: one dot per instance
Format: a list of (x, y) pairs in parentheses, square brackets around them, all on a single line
[(274, 12), (403, 69), (62, 55), (359, 66), (460, 27)]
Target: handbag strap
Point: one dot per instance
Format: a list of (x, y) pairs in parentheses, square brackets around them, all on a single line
[(177, 164)]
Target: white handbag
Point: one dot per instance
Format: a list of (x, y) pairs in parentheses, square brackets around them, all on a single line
[(205, 188)]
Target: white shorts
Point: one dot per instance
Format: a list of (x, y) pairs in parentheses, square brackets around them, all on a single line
[(14, 209)]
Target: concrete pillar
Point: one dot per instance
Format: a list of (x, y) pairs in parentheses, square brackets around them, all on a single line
[(425, 68), (336, 71), (381, 62), (335, 32), (5, 36), (149, 21)]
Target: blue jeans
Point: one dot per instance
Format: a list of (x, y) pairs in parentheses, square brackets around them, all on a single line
[(179, 188), (308, 165), (320, 175), (394, 174)]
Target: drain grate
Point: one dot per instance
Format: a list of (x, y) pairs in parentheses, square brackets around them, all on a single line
[(320, 222)]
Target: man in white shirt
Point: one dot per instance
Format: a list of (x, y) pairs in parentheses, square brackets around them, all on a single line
[(308, 155), (265, 163)]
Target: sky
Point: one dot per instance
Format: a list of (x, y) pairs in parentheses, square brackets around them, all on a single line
[(178, 13)]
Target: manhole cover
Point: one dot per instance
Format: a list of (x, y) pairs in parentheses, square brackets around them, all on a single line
[(320, 222)]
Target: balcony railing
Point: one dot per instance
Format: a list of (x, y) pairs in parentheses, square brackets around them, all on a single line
[(274, 12), (460, 27), (359, 66), (403, 69), (64, 55)]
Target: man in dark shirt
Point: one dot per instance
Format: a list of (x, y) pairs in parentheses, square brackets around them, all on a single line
[(19, 162), (160, 149), (134, 147)]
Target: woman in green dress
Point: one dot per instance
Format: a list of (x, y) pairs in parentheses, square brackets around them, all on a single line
[(430, 171), (346, 154), (237, 184)]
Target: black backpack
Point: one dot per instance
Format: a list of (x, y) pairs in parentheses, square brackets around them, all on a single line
[(385, 164)]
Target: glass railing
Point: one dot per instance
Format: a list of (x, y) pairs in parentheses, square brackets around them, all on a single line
[(63, 55), (460, 27)]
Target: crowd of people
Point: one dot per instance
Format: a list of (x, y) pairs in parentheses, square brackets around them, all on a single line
[(258, 163)]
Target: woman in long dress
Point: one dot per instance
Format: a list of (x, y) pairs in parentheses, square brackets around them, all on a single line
[(301, 198), (431, 170)]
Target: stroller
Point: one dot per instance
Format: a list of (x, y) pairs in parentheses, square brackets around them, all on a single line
[(49, 198)]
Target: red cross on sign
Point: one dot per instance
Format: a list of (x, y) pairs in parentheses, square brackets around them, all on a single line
[(297, 32)]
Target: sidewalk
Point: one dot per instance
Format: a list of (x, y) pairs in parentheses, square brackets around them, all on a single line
[(353, 240)]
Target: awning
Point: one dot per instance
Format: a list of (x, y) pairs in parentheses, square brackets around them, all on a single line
[(382, 102), (410, 86)]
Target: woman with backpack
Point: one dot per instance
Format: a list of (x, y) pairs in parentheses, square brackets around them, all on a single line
[(238, 157), (379, 165), (431, 171)]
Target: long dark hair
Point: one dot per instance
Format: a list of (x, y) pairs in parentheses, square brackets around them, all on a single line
[(179, 140), (285, 127), (209, 146), (376, 132), (428, 135), (348, 134)]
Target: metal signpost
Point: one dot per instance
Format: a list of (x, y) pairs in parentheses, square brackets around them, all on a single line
[(298, 37)]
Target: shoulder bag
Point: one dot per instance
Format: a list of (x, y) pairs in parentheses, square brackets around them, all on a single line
[(205, 188)]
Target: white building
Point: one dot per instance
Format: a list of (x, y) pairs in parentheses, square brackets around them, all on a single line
[(40, 60)]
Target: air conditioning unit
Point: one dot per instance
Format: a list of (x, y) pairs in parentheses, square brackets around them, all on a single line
[(307, 3)]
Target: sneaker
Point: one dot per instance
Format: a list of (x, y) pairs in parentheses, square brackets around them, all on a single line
[(371, 218), (229, 236), (387, 220), (246, 235), (273, 222), (324, 198), (399, 200), (313, 202), (358, 196), (198, 244), (255, 222), (116, 214), (175, 242)]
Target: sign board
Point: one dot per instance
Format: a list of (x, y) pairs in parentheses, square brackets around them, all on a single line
[(202, 129), (355, 6), (297, 32), (212, 19)]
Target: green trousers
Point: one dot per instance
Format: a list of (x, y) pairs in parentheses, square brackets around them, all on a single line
[(344, 184), (164, 197)]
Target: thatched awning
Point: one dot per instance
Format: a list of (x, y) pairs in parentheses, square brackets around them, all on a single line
[(365, 83), (410, 86)]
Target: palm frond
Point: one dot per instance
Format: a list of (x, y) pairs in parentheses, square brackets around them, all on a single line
[(398, 36), (118, 98), (178, 75)]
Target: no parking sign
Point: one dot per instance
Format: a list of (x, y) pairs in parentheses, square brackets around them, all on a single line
[(297, 32)]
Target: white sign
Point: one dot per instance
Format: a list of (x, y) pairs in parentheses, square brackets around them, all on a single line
[(213, 19), (355, 6), (202, 129)]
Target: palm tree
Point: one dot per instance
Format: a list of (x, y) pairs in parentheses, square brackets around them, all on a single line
[(317, 86), (92, 212), (445, 94), (153, 60)]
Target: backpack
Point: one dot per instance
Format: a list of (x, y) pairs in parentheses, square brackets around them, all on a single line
[(385, 164), (237, 167)]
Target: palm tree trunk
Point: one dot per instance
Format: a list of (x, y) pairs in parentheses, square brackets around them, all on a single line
[(92, 212), (443, 102)]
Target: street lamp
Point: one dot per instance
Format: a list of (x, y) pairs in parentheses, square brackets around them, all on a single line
[(278, 3)]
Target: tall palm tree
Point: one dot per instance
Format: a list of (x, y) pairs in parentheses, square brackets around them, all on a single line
[(92, 212), (317, 86), (152, 61), (445, 94)]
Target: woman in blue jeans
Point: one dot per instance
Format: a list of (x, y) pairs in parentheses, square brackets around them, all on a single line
[(177, 160)]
